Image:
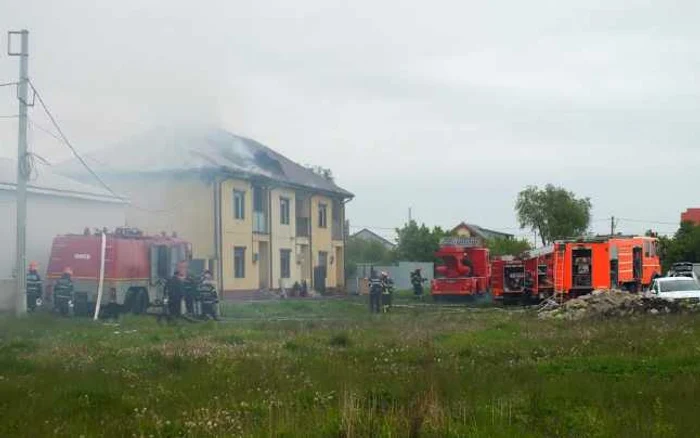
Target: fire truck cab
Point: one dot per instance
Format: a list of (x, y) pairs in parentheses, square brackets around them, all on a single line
[(135, 267), (464, 269)]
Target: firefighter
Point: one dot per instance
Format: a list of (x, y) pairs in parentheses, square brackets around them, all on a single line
[(375, 292), (387, 291), (34, 287), (208, 298), (417, 283), (190, 291), (175, 292), (63, 293)]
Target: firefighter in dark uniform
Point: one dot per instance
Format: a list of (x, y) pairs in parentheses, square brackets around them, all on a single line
[(208, 298), (175, 291), (190, 293), (34, 287), (375, 292), (63, 293), (417, 283), (387, 291)]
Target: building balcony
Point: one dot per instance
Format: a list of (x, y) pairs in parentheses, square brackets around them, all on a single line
[(260, 223), (303, 227), (337, 230)]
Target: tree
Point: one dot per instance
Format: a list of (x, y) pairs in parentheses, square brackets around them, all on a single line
[(501, 247), (554, 212), (418, 243), (684, 246), (359, 251)]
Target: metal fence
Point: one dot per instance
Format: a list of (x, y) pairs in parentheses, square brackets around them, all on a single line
[(400, 273)]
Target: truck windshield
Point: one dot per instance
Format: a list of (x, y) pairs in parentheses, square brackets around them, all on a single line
[(679, 285)]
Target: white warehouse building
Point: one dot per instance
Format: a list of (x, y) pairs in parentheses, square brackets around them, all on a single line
[(55, 205)]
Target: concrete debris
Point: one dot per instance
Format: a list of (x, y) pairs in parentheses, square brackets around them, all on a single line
[(612, 304)]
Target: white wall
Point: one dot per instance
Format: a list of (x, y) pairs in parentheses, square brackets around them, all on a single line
[(48, 216)]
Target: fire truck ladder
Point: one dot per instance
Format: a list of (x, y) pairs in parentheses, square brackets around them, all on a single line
[(559, 266)]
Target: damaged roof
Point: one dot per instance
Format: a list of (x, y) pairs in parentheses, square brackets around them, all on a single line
[(201, 149)]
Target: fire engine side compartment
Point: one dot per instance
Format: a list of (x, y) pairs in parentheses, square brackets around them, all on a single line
[(637, 260), (455, 278)]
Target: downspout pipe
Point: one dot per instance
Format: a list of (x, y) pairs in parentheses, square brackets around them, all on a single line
[(218, 238), (345, 241)]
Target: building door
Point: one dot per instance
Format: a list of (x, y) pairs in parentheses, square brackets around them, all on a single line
[(321, 272)]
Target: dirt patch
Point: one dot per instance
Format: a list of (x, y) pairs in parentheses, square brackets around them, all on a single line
[(612, 304)]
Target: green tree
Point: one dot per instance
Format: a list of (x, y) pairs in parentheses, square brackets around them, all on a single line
[(418, 243), (359, 251), (514, 247), (554, 212), (684, 246)]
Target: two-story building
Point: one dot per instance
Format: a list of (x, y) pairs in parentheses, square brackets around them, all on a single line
[(255, 218)]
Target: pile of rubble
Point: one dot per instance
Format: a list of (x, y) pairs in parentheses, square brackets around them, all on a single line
[(611, 304)]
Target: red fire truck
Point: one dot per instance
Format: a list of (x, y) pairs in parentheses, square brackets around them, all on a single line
[(508, 282), (577, 267), (135, 267), (464, 269)]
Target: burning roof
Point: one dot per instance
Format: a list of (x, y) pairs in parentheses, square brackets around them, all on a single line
[(200, 149)]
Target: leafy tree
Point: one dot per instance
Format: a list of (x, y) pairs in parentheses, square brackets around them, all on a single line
[(684, 246), (359, 251), (514, 247), (554, 212), (418, 243)]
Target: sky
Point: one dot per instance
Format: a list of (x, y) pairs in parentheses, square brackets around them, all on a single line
[(448, 108)]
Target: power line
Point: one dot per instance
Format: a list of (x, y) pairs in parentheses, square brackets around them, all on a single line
[(7, 84), (65, 141), (13, 116), (642, 221)]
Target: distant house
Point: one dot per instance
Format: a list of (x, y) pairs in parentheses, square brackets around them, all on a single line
[(470, 230), (371, 236), (691, 215), (255, 218), (55, 205)]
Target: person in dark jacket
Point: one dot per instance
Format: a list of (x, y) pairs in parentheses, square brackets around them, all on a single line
[(63, 293), (417, 283), (208, 298), (174, 292), (376, 287), (34, 287)]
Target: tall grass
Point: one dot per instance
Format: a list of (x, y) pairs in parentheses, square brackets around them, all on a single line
[(329, 369)]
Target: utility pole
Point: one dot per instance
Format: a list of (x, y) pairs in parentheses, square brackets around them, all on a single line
[(612, 225), (410, 217), (22, 96)]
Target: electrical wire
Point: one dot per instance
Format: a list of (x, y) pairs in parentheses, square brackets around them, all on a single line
[(65, 141), (7, 84), (642, 221), (13, 116)]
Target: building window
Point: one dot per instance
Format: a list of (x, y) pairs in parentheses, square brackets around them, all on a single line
[(284, 211), (322, 216), (322, 258), (238, 204), (285, 263), (239, 262)]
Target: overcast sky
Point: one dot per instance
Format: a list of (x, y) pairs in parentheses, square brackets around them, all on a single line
[(448, 107)]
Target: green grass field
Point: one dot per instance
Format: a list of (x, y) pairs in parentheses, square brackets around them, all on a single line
[(329, 369)]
